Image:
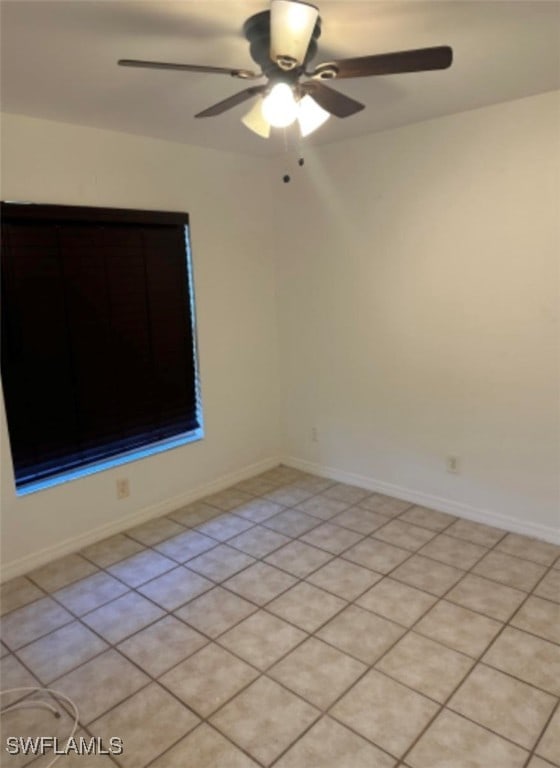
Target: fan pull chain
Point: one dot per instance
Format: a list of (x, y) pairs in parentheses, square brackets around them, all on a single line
[(286, 177), (299, 151)]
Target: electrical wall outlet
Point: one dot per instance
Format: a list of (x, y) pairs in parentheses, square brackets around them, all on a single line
[(123, 488), (453, 465), (314, 435)]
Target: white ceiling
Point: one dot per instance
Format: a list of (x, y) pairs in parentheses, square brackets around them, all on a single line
[(59, 62)]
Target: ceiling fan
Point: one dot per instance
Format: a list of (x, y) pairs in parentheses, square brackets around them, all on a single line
[(283, 41)]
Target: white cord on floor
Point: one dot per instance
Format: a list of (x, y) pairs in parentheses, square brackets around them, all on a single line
[(27, 703)]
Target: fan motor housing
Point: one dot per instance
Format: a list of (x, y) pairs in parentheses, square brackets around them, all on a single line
[(257, 31)]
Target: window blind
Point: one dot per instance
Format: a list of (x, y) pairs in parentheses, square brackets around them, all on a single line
[(98, 334)]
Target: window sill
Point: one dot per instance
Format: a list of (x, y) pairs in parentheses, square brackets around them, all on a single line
[(115, 461)]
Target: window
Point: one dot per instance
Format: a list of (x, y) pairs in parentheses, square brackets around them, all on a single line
[(99, 360)]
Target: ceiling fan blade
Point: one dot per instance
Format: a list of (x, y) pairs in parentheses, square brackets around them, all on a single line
[(332, 101), (291, 28), (418, 60), (244, 74), (232, 101)]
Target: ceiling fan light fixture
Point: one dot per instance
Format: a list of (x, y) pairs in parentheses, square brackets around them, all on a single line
[(291, 28), (310, 115), (282, 41), (256, 121), (279, 107)]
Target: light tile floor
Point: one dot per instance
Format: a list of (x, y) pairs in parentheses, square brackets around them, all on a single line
[(296, 622)]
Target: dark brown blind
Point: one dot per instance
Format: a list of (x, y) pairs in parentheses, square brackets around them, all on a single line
[(98, 348)]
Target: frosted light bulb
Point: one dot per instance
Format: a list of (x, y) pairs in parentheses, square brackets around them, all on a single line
[(279, 107)]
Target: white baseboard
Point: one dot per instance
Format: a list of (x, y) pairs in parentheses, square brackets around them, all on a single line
[(73, 544), (495, 519)]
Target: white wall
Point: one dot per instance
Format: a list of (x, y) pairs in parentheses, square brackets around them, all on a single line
[(419, 290), (227, 199), (417, 286)]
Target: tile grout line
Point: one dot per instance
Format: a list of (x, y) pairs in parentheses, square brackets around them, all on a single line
[(255, 524), (114, 647), (261, 606), (303, 578), (369, 667), (352, 602), (533, 751), (261, 673), (258, 606), (478, 660)]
